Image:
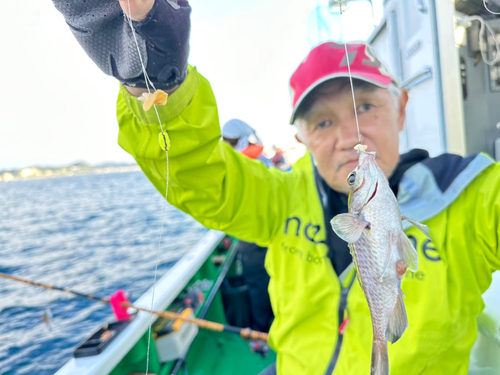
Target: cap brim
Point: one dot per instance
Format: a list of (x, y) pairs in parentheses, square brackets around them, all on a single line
[(330, 77)]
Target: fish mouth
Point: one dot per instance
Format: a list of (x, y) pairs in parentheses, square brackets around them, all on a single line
[(374, 192)]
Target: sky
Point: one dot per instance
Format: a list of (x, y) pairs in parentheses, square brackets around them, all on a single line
[(57, 107)]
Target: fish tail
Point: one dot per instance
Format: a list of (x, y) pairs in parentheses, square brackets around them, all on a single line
[(398, 322), (380, 358)]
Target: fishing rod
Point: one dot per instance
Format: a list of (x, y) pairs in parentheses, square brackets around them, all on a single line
[(245, 333)]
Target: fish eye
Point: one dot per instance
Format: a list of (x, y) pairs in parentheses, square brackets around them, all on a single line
[(351, 178)]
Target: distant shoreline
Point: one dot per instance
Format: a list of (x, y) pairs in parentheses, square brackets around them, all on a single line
[(38, 173)]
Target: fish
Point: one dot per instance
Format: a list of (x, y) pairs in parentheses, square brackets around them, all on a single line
[(380, 250)]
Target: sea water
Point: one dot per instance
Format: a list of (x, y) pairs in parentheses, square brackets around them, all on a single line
[(94, 234)]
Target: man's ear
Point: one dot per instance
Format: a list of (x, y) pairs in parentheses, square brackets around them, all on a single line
[(298, 138), (403, 100)]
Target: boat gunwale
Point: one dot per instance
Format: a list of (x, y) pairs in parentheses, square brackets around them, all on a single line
[(166, 290)]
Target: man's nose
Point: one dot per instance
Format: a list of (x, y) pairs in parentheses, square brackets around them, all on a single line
[(347, 135)]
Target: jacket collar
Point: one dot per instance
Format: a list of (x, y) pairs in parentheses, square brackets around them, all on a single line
[(429, 187)]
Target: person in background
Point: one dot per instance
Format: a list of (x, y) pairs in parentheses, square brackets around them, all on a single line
[(243, 138), (279, 159)]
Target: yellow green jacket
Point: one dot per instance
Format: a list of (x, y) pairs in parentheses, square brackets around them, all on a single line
[(227, 191)]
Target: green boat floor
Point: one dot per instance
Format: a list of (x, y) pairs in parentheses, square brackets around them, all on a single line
[(211, 353), (220, 353)]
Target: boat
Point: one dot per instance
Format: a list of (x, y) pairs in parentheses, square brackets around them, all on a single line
[(442, 75), (205, 282)]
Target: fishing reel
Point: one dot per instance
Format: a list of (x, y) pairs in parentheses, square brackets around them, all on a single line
[(259, 347)]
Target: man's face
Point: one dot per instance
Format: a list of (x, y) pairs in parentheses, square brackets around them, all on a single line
[(328, 129)]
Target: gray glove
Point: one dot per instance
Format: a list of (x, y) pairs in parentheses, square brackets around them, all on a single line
[(163, 37)]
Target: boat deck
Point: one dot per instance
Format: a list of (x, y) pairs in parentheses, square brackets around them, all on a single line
[(223, 354)]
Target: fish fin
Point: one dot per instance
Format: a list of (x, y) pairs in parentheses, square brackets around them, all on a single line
[(421, 227), (380, 358), (349, 226), (353, 254), (408, 252), (398, 322), (388, 256)]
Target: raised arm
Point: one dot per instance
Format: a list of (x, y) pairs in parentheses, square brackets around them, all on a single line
[(216, 185), (219, 187)]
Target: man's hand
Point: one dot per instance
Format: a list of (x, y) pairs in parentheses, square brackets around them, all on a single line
[(162, 30), (137, 10)]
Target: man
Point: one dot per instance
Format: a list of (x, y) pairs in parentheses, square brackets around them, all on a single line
[(322, 322)]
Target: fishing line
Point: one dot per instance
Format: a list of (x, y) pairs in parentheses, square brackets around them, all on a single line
[(349, 69), (146, 79)]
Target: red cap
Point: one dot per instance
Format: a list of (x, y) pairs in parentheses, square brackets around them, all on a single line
[(328, 61)]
